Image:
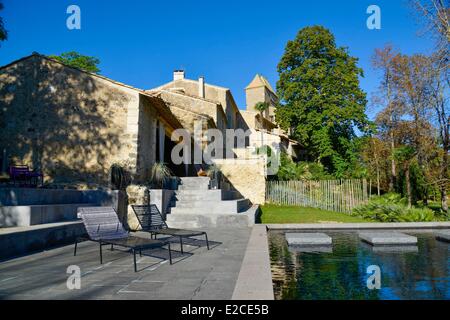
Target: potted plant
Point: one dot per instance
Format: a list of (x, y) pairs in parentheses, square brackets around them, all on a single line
[(214, 173), (120, 176), (160, 174)]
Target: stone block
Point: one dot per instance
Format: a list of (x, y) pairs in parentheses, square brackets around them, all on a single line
[(387, 238), (308, 239), (443, 235), (311, 249)]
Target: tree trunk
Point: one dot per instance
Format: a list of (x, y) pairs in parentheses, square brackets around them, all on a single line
[(392, 178), (378, 181), (444, 204), (408, 186), (444, 177)]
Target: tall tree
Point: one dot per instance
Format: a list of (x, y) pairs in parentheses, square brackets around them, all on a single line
[(383, 60), (375, 154), (3, 32), (436, 17), (77, 60), (412, 88), (322, 101), (439, 105)]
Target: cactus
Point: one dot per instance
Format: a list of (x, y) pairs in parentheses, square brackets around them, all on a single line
[(120, 177)]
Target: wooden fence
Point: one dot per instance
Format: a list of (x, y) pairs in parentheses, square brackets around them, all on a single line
[(333, 195)]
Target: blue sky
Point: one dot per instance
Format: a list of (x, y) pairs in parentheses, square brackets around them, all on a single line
[(141, 42)]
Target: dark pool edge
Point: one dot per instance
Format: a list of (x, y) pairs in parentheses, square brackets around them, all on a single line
[(360, 226), (255, 277)]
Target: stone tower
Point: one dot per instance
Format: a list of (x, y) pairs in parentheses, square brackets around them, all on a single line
[(260, 90)]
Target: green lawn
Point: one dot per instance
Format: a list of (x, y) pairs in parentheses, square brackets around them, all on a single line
[(285, 214)]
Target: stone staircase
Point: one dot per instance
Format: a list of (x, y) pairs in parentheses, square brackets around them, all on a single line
[(37, 219), (195, 205)]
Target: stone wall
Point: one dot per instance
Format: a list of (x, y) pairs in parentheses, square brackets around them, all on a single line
[(188, 118), (147, 135), (246, 176), (68, 123), (198, 106), (260, 138), (253, 96), (228, 115), (139, 194)]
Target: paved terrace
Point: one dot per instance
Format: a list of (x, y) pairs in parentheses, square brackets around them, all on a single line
[(197, 274)]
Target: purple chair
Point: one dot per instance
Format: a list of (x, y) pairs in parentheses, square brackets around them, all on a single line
[(19, 173)]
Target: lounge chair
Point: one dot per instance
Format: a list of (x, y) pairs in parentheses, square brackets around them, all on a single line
[(152, 221), (103, 226)]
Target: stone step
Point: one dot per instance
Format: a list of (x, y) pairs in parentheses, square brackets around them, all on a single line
[(443, 235), (185, 195), (194, 183), (194, 187), (211, 207), (189, 221), (217, 195), (22, 216), (194, 179), (25, 240), (387, 238)]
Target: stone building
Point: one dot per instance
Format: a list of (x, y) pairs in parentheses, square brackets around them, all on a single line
[(200, 97), (265, 130), (73, 125), (260, 90)]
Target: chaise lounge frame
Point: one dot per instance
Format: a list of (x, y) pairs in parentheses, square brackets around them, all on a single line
[(152, 221), (103, 226)]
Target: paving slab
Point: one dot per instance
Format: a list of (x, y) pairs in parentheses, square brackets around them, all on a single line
[(443, 235), (197, 274), (387, 238), (308, 239), (255, 277)]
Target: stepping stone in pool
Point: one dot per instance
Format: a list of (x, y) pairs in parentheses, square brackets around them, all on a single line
[(395, 249), (443, 235), (308, 239), (311, 249), (387, 238)]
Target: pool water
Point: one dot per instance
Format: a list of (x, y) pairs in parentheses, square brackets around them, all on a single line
[(407, 272)]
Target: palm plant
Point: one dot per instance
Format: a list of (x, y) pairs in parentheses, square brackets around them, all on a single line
[(159, 174), (261, 107)]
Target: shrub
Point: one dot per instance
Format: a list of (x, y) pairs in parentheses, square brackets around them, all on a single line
[(120, 176), (290, 170), (159, 174), (392, 207)]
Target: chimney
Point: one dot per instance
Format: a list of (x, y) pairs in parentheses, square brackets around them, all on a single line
[(201, 87), (178, 75)]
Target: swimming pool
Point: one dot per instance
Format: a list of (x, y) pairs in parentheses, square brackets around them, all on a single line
[(340, 271)]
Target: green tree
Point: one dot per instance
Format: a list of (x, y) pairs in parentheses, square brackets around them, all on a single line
[(77, 60), (3, 32), (405, 155), (322, 101)]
